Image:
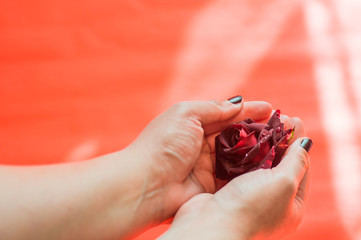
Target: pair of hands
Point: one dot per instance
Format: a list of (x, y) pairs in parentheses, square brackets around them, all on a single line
[(178, 153)]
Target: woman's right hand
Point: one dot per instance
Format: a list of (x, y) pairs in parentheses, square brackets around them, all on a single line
[(266, 203)]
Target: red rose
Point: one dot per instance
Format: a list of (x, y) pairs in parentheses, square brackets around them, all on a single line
[(246, 146)]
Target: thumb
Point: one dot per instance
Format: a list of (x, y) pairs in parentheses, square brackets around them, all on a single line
[(296, 160)]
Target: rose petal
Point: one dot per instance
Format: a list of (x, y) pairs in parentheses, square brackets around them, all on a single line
[(256, 127), (225, 136), (248, 141), (236, 154), (265, 135), (248, 121), (231, 135), (268, 160), (220, 168), (264, 148), (243, 132), (290, 133), (278, 132), (280, 149), (275, 119), (247, 146), (250, 156)]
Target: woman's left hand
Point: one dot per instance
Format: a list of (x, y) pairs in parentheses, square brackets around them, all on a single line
[(177, 148)]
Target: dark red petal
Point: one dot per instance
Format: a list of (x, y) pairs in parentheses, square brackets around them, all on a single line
[(256, 127), (275, 119), (268, 160), (280, 149), (247, 146), (225, 136), (237, 153), (220, 168), (265, 135), (232, 134), (278, 132), (248, 121), (290, 132), (248, 141), (250, 156), (264, 148), (243, 133)]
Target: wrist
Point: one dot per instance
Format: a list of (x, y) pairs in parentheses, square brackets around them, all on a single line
[(157, 185), (202, 229), (143, 187), (199, 219), (129, 199)]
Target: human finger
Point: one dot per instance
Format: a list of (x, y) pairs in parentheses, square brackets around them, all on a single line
[(296, 124), (303, 188), (257, 111), (209, 112), (296, 160)]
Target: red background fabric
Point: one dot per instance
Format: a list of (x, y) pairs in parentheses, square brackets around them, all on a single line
[(79, 79)]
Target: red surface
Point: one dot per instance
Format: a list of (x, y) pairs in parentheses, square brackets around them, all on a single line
[(82, 78)]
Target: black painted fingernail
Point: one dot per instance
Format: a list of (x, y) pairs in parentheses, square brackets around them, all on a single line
[(235, 99), (307, 144)]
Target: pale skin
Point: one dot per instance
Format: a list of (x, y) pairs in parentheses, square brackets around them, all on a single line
[(168, 169)]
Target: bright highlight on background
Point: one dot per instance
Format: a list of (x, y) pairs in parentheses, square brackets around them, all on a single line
[(81, 79), (332, 31)]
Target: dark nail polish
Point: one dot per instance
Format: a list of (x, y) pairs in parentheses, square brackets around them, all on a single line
[(235, 99), (307, 144)]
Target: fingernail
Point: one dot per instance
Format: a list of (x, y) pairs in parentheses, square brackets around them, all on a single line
[(235, 99), (307, 144)]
